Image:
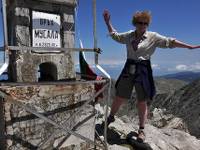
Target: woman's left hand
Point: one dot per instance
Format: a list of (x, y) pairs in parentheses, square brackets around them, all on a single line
[(194, 47)]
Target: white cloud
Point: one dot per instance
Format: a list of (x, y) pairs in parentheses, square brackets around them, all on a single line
[(113, 63), (155, 66), (196, 66), (183, 67)]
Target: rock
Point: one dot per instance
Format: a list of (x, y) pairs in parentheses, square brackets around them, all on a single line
[(172, 139), (117, 147), (185, 104), (175, 117), (161, 119), (158, 139)]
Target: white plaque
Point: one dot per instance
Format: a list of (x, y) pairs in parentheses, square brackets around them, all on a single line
[(45, 30)]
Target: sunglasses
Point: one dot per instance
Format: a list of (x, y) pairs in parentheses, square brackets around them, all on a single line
[(143, 23)]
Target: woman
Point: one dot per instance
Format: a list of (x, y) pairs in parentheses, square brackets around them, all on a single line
[(137, 72)]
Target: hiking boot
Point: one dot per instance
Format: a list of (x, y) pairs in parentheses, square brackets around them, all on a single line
[(141, 136), (110, 119)]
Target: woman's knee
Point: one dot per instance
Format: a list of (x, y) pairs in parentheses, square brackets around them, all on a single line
[(141, 103)]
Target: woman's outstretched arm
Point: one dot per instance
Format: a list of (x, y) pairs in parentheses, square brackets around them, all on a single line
[(180, 44), (106, 16)]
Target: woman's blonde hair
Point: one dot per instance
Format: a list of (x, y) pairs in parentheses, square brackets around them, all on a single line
[(141, 15)]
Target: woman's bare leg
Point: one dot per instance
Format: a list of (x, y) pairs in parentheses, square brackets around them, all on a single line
[(118, 101)]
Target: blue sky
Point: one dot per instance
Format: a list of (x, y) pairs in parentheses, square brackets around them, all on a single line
[(174, 18)]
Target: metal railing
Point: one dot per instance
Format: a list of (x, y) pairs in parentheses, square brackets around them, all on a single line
[(61, 127)]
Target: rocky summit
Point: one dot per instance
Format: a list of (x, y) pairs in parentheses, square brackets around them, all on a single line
[(174, 120), (156, 138)]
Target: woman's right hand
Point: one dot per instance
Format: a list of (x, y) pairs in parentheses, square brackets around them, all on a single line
[(106, 16)]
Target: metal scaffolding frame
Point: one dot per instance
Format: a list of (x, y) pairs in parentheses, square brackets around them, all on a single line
[(62, 127), (41, 50)]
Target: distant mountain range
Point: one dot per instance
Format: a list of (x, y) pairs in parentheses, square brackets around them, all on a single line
[(183, 101), (114, 72), (185, 76), (1, 48)]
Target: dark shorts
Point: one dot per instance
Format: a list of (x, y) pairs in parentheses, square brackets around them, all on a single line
[(124, 87)]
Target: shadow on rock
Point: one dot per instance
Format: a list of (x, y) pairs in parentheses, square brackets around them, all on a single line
[(115, 136)]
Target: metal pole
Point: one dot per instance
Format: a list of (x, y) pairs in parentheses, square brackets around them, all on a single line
[(48, 49), (95, 30), (5, 23), (101, 69), (6, 56), (107, 100)]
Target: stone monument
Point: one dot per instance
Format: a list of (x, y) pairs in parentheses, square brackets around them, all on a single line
[(41, 23)]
